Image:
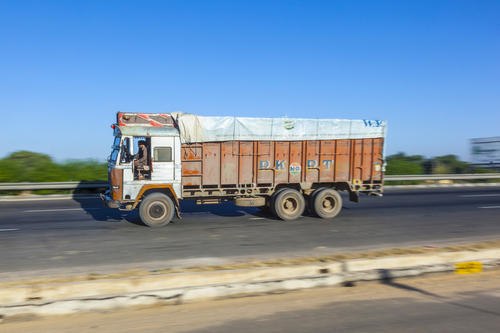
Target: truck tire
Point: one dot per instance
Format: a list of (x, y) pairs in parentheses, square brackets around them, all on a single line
[(289, 204), (310, 200), (156, 210), (326, 203), (272, 200)]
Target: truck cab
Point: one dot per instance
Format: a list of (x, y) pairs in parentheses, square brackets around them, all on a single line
[(162, 171)]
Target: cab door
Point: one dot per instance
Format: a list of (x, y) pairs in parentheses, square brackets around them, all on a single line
[(162, 159)]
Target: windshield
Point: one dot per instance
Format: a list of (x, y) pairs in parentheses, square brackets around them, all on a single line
[(116, 143), (115, 150), (113, 156)]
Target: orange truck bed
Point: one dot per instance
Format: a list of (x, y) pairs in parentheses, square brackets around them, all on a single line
[(270, 163)]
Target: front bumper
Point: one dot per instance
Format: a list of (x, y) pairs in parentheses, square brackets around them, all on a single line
[(108, 202)]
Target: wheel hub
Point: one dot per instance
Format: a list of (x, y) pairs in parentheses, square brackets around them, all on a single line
[(157, 210), (328, 203), (290, 205)]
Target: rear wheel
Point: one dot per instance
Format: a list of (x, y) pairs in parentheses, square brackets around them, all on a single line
[(272, 200), (327, 203), (289, 204), (156, 210)]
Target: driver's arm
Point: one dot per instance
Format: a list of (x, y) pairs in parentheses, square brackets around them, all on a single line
[(139, 154)]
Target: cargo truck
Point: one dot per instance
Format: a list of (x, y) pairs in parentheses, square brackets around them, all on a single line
[(282, 164)]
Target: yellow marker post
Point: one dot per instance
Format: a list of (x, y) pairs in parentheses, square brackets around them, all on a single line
[(468, 267)]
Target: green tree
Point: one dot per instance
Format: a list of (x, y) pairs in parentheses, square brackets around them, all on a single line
[(449, 164), (85, 170), (26, 166), (402, 164)]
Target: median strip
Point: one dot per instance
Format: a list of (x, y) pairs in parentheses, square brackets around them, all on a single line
[(480, 195), (57, 210)]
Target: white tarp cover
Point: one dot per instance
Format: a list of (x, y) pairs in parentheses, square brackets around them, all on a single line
[(194, 128)]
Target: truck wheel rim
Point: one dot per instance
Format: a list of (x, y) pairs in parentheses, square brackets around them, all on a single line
[(290, 205), (328, 204), (157, 210)]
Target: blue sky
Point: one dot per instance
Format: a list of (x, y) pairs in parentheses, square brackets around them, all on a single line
[(431, 68)]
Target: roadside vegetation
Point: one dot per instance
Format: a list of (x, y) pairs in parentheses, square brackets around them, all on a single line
[(402, 164), (26, 166)]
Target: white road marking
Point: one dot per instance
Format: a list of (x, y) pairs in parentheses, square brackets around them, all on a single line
[(57, 210), (493, 207), (480, 195), (8, 229), (257, 218), (11, 199)]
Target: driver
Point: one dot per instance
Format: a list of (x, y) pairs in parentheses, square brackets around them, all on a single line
[(141, 158)]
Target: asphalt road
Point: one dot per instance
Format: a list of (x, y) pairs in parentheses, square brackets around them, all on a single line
[(59, 234), (444, 303)]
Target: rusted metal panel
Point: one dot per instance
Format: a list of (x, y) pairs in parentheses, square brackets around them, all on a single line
[(211, 163), (378, 146), (327, 156), (312, 161), (281, 161), (366, 163), (246, 162), (191, 173), (356, 159), (116, 181), (342, 160), (229, 165), (275, 162), (265, 162), (295, 167), (191, 152), (191, 164), (255, 161)]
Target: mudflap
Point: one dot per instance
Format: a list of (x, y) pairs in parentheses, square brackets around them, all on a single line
[(354, 196), (178, 212)]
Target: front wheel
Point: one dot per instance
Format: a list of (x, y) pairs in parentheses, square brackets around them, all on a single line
[(156, 210)]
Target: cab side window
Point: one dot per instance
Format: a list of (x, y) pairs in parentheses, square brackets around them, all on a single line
[(162, 154)]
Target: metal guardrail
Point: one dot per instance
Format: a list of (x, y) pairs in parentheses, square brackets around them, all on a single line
[(464, 176), (101, 184), (52, 186)]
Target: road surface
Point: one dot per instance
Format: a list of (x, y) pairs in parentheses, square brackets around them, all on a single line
[(58, 234)]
